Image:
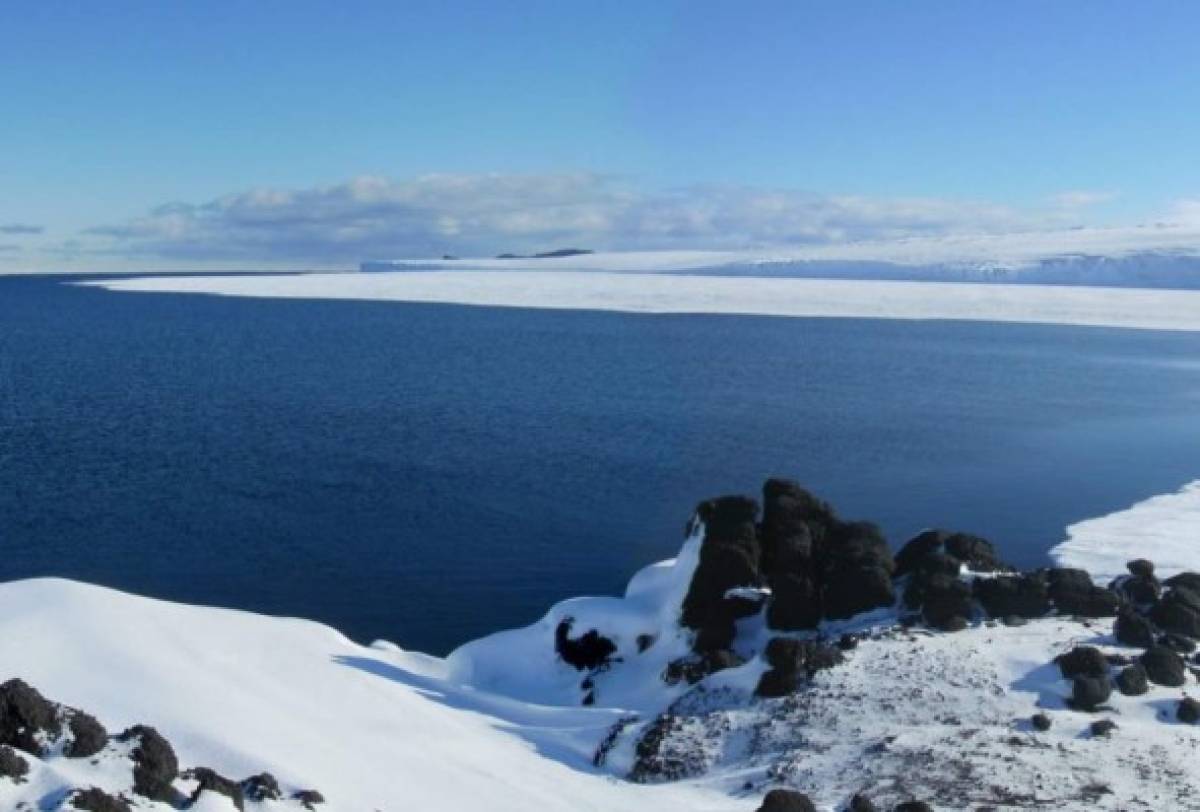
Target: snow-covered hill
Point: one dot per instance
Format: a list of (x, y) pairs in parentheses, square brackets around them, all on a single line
[(744, 664)]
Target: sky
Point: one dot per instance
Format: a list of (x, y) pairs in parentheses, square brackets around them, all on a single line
[(302, 134)]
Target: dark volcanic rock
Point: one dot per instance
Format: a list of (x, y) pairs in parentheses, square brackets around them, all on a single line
[(1082, 661), (26, 716), (88, 736), (1040, 722), (729, 558), (97, 800), (1074, 593), (861, 803), (1103, 727), (851, 589), (1088, 693), (12, 765), (1132, 680), (795, 603), (1143, 590), (913, 806), (155, 764), (1132, 629), (588, 651), (695, 667), (1163, 666), (941, 598), (1023, 595), (976, 553), (1187, 580), (1178, 611), (211, 781), (786, 800), (918, 549), (1188, 711), (308, 798), (1140, 567), (262, 787), (1177, 642), (791, 662)]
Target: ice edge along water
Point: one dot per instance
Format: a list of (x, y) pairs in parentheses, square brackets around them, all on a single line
[(1135, 308), (499, 720)]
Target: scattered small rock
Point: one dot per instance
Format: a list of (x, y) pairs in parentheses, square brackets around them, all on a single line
[(1041, 722), (1103, 727)]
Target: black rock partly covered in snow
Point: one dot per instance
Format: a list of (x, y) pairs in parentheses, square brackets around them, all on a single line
[(211, 781), (861, 803), (1040, 721), (942, 599), (261, 787), (1074, 593), (786, 800), (913, 806), (97, 800), (308, 798), (589, 651), (88, 736), (1163, 666), (1103, 727), (155, 764), (12, 765), (729, 558), (27, 718)]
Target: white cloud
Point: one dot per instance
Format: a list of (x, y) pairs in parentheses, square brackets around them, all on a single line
[(489, 214), (1081, 198)]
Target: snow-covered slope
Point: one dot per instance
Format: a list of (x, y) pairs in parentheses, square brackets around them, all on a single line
[(506, 723), (672, 293)]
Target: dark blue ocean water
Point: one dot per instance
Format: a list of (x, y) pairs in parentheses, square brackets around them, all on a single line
[(429, 473)]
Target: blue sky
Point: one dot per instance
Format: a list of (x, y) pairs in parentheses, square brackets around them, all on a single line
[(627, 124)]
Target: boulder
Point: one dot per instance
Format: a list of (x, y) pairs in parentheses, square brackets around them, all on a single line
[(793, 661), (851, 589), (1187, 580), (1040, 721), (1023, 595), (155, 765), (695, 667), (913, 806), (1082, 661), (1140, 567), (88, 736), (1178, 611), (589, 651), (211, 781), (261, 787), (977, 554), (12, 765), (1103, 727), (916, 550), (1163, 666), (27, 719), (1132, 629), (97, 800), (1177, 642), (1089, 693), (1142, 590), (1188, 711), (308, 798), (786, 800), (861, 803), (940, 598), (1132, 680)]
